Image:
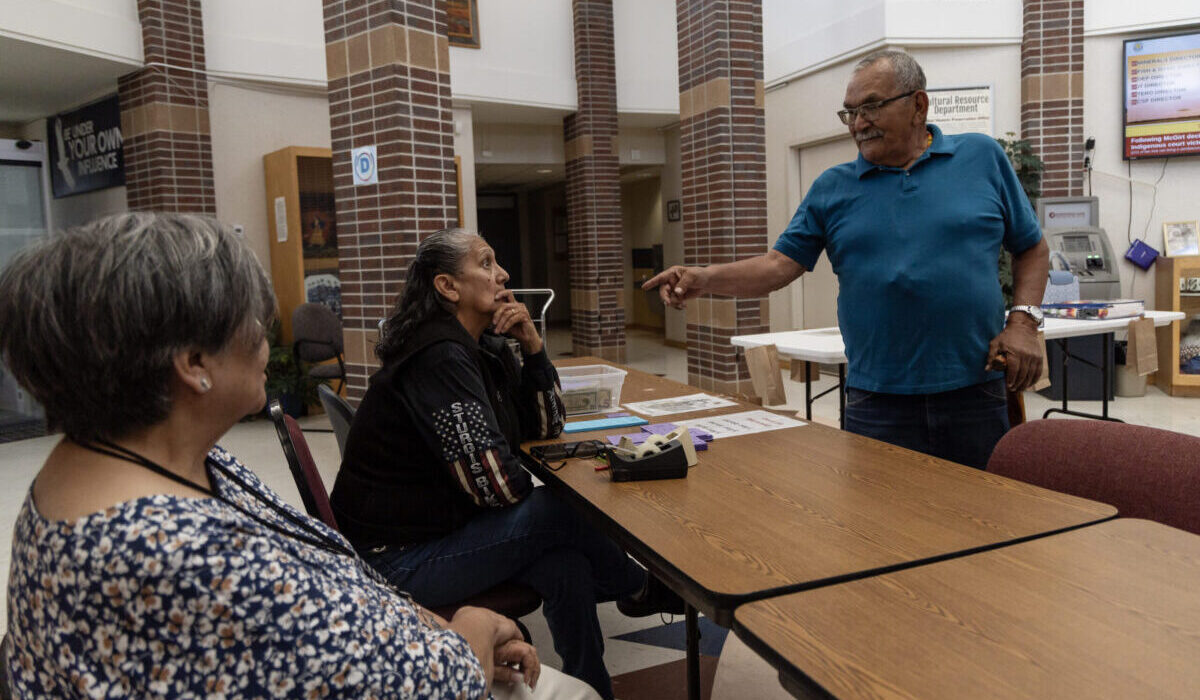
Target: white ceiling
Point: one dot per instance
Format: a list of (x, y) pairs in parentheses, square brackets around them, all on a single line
[(37, 80)]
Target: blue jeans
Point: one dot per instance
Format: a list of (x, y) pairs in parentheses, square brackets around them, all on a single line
[(541, 542), (962, 425)]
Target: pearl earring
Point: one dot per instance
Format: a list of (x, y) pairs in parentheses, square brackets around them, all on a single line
[(205, 385)]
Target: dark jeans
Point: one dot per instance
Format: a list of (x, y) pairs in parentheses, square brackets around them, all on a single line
[(541, 542), (962, 425)]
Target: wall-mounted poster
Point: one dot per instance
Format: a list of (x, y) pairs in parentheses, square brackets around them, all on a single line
[(1180, 238), (85, 148), (462, 23), (961, 110)]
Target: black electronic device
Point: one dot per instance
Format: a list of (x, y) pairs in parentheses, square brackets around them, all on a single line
[(669, 463)]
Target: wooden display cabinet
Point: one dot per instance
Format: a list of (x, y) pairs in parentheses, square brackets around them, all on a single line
[(1167, 273), (302, 227)]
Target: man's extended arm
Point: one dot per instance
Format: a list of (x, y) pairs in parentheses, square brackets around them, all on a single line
[(750, 278), (1018, 343)]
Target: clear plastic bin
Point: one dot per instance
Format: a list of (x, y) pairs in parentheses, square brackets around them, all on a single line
[(591, 388)]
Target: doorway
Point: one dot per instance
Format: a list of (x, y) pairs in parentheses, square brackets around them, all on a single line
[(22, 223), (500, 225)]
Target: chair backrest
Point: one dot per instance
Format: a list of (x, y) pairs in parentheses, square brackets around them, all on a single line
[(341, 415), (303, 468), (1144, 472), (317, 332)]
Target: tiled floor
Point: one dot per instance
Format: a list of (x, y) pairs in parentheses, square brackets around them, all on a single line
[(644, 655)]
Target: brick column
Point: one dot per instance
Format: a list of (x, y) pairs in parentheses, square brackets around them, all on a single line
[(723, 153), (388, 67), (164, 113), (594, 235), (1052, 91)]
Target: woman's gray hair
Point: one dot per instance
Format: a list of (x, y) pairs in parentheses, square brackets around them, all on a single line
[(90, 320), (909, 76)]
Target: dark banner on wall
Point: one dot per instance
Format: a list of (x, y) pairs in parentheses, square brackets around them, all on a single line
[(85, 148)]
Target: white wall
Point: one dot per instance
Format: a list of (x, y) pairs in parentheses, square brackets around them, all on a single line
[(104, 28), (278, 40), (246, 125), (646, 47), (1117, 16), (801, 37), (518, 143), (526, 55), (1173, 199)]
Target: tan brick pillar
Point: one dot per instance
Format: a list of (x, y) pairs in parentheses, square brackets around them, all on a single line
[(594, 234), (389, 86), (723, 153), (1052, 91), (164, 114)]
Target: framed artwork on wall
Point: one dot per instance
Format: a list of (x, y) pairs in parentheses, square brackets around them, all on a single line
[(674, 211), (462, 23), (1180, 238)]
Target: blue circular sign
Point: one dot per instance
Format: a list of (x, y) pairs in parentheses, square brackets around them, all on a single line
[(364, 165)]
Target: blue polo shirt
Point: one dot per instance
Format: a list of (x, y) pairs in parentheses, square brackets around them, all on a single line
[(916, 258)]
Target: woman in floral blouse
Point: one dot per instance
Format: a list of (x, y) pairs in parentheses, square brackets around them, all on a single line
[(147, 561)]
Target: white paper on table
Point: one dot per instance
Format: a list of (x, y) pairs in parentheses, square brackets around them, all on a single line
[(744, 423), (678, 404)]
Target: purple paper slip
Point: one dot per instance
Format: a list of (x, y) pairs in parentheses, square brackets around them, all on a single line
[(664, 428), (638, 438), (618, 414)]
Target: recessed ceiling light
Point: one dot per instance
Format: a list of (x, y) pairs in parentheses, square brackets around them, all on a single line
[(545, 170)]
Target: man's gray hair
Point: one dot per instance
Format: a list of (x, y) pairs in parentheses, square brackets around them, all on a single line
[(91, 319), (909, 76)]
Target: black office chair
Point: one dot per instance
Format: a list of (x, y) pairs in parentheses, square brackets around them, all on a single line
[(317, 334), (341, 415)]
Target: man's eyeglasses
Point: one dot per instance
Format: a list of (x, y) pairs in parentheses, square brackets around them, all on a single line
[(583, 449), (870, 110)]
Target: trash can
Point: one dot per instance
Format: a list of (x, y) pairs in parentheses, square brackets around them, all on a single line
[(1129, 382)]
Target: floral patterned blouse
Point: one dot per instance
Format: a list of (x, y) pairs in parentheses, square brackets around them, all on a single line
[(176, 597)]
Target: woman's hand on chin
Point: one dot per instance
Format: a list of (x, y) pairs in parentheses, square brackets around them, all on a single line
[(512, 317)]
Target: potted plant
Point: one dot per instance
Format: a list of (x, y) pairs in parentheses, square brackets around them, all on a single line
[(286, 380)]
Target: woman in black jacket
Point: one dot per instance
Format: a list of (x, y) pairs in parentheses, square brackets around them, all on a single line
[(431, 490)]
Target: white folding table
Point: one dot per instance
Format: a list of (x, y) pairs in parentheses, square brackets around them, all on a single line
[(825, 345)]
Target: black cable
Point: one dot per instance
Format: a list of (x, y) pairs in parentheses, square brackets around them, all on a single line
[(312, 537), (1154, 198), (1129, 179)]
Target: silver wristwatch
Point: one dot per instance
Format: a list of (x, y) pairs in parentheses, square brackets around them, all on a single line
[(1035, 312)]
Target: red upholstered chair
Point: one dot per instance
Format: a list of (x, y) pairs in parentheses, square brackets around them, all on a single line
[(1144, 472), (511, 599), (303, 467)]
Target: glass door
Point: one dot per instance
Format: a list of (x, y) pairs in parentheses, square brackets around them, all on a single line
[(22, 221)]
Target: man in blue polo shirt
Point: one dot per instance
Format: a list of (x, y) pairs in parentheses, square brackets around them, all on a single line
[(913, 229)]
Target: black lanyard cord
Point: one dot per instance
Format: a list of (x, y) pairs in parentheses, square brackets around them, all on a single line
[(315, 537), (312, 537)]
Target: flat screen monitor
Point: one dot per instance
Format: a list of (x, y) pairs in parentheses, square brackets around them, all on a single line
[(1162, 96)]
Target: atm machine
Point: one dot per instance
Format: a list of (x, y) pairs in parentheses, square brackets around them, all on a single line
[(1071, 227)]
